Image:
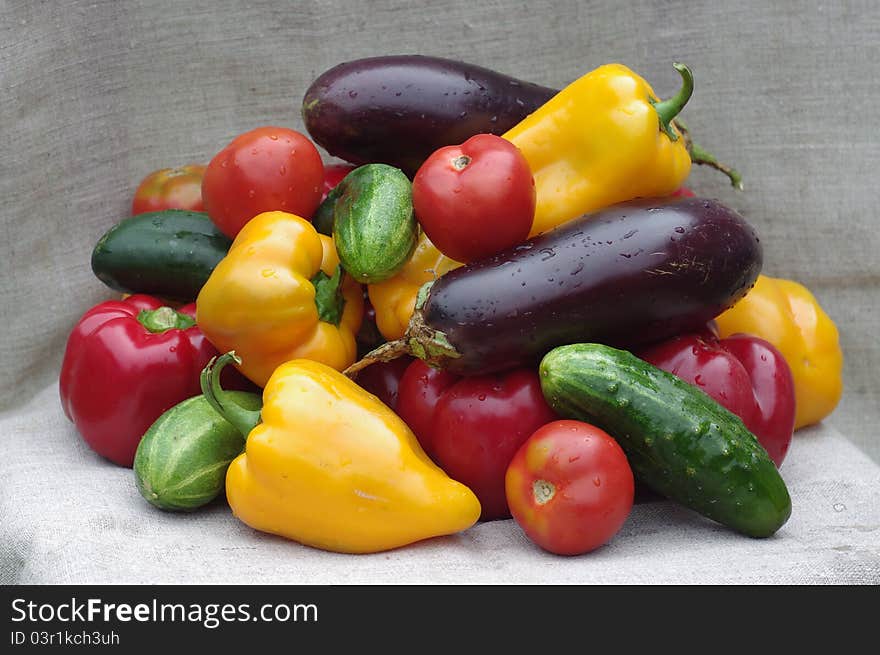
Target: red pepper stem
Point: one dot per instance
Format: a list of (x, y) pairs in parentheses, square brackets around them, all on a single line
[(244, 420), (164, 319), (670, 108)]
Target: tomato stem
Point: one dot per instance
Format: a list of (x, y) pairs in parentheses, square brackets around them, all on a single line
[(461, 162), (543, 491)]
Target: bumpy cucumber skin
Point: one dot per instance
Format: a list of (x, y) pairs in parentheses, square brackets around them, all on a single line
[(181, 461), (168, 253), (374, 228), (678, 440)]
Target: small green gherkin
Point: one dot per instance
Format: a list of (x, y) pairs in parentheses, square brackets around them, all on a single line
[(181, 461), (374, 227)]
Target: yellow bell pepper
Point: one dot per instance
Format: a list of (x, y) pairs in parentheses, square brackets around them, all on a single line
[(279, 294), (603, 139), (394, 299), (327, 464), (787, 315)]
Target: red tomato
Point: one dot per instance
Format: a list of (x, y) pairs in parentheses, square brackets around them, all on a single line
[(570, 487), (475, 199), (472, 426), (266, 169), (170, 188), (333, 175)]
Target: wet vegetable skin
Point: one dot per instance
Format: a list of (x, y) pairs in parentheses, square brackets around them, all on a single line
[(399, 109), (635, 273)]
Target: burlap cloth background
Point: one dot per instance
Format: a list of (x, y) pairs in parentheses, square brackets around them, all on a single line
[(94, 95)]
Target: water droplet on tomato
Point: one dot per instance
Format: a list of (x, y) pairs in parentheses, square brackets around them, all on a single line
[(597, 482), (282, 170), (251, 193), (481, 397), (274, 137)]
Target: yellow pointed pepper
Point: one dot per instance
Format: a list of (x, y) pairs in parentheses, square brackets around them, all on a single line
[(327, 464), (603, 139), (279, 294), (394, 299), (786, 314)]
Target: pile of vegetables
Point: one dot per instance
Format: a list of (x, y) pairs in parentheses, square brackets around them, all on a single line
[(504, 304)]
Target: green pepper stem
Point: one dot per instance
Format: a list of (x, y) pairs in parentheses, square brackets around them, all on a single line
[(164, 319), (243, 420), (328, 296), (669, 109)]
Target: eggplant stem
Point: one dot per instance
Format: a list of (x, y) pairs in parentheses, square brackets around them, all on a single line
[(387, 352)]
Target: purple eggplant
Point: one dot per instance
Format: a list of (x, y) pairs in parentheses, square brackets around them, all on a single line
[(399, 109), (628, 275)]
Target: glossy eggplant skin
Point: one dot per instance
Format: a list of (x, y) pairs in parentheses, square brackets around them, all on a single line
[(398, 109), (632, 274)]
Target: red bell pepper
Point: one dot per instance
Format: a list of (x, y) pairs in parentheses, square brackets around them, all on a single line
[(744, 373), (126, 362), (382, 379), (472, 426)]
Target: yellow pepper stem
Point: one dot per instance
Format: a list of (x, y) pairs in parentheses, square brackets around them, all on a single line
[(243, 420), (670, 108), (328, 296)]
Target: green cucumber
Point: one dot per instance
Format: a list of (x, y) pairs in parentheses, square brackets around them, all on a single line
[(678, 440), (168, 253), (374, 228), (181, 461), (322, 219)]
